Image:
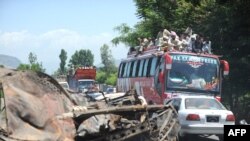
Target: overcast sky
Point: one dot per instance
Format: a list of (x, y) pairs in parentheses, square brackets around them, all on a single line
[(44, 27)]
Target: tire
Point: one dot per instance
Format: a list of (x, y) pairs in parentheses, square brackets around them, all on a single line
[(221, 137), (181, 138)]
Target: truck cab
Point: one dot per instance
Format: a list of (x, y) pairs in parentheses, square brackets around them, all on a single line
[(84, 84), (82, 78)]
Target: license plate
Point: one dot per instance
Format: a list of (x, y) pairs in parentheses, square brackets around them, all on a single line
[(212, 118)]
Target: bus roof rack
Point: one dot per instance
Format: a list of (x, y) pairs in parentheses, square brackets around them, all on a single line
[(156, 50), (149, 50)]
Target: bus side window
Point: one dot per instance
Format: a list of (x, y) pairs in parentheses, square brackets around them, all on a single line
[(134, 69), (153, 67), (121, 68), (141, 68), (125, 70), (128, 69), (145, 68), (131, 69), (149, 67), (137, 68), (158, 61)]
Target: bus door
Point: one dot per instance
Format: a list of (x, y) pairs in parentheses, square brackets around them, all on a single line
[(159, 77)]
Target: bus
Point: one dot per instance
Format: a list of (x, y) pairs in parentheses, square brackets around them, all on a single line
[(159, 75)]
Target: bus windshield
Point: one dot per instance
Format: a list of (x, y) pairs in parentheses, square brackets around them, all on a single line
[(193, 73)]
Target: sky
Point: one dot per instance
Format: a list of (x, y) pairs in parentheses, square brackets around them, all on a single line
[(44, 27)]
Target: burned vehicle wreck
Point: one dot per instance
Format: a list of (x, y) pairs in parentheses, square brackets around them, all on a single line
[(33, 106)]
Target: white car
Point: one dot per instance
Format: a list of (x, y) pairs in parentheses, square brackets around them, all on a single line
[(201, 115), (64, 84)]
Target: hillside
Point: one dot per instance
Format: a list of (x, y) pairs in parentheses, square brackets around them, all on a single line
[(9, 61)]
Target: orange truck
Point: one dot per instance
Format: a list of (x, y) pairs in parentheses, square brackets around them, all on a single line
[(82, 78)]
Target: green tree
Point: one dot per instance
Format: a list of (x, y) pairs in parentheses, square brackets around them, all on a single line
[(34, 64), (63, 58), (23, 67), (112, 79), (82, 58), (101, 76), (32, 58), (107, 59)]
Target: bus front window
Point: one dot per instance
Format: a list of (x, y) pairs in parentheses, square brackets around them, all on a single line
[(193, 72)]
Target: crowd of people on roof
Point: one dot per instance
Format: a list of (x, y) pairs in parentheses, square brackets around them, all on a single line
[(169, 41)]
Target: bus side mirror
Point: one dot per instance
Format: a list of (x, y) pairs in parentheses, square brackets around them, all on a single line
[(225, 67)]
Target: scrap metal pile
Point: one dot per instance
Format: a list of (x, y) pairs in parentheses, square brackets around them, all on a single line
[(34, 106)]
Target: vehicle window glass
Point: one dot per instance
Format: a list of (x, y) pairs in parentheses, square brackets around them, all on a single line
[(121, 70), (149, 66), (145, 67), (169, 101), (134, 69), (141, 68), (203, 103), (153, 66), (176, 102), (137, 68), (131, 68), (125, 70), (194, 72), (128, 69)]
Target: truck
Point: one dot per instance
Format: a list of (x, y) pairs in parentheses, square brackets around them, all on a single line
[(82, 78)]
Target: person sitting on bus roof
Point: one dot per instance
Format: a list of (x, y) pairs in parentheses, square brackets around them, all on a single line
[(139, 48), (206, 48), (188, 31), (159, 39), (174, 41), (131, 49), (192, 42), (143, 45), (165, 44), (185, 39), (198, 44), (150, 42), (166, 33)]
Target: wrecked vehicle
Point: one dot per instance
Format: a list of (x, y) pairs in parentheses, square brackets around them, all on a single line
[(34, 106)]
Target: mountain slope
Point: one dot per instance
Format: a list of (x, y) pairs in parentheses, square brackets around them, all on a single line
[(9, 61)]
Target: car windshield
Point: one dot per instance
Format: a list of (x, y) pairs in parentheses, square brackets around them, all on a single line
[(110, 90), (193, 73), (203, 103)]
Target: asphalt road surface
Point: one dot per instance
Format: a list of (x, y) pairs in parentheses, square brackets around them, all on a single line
[(202, 138)]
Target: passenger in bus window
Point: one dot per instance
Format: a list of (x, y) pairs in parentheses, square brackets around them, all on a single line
[(196, 82)]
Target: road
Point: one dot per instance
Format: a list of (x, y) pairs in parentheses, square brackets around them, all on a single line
[(202, 138)]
